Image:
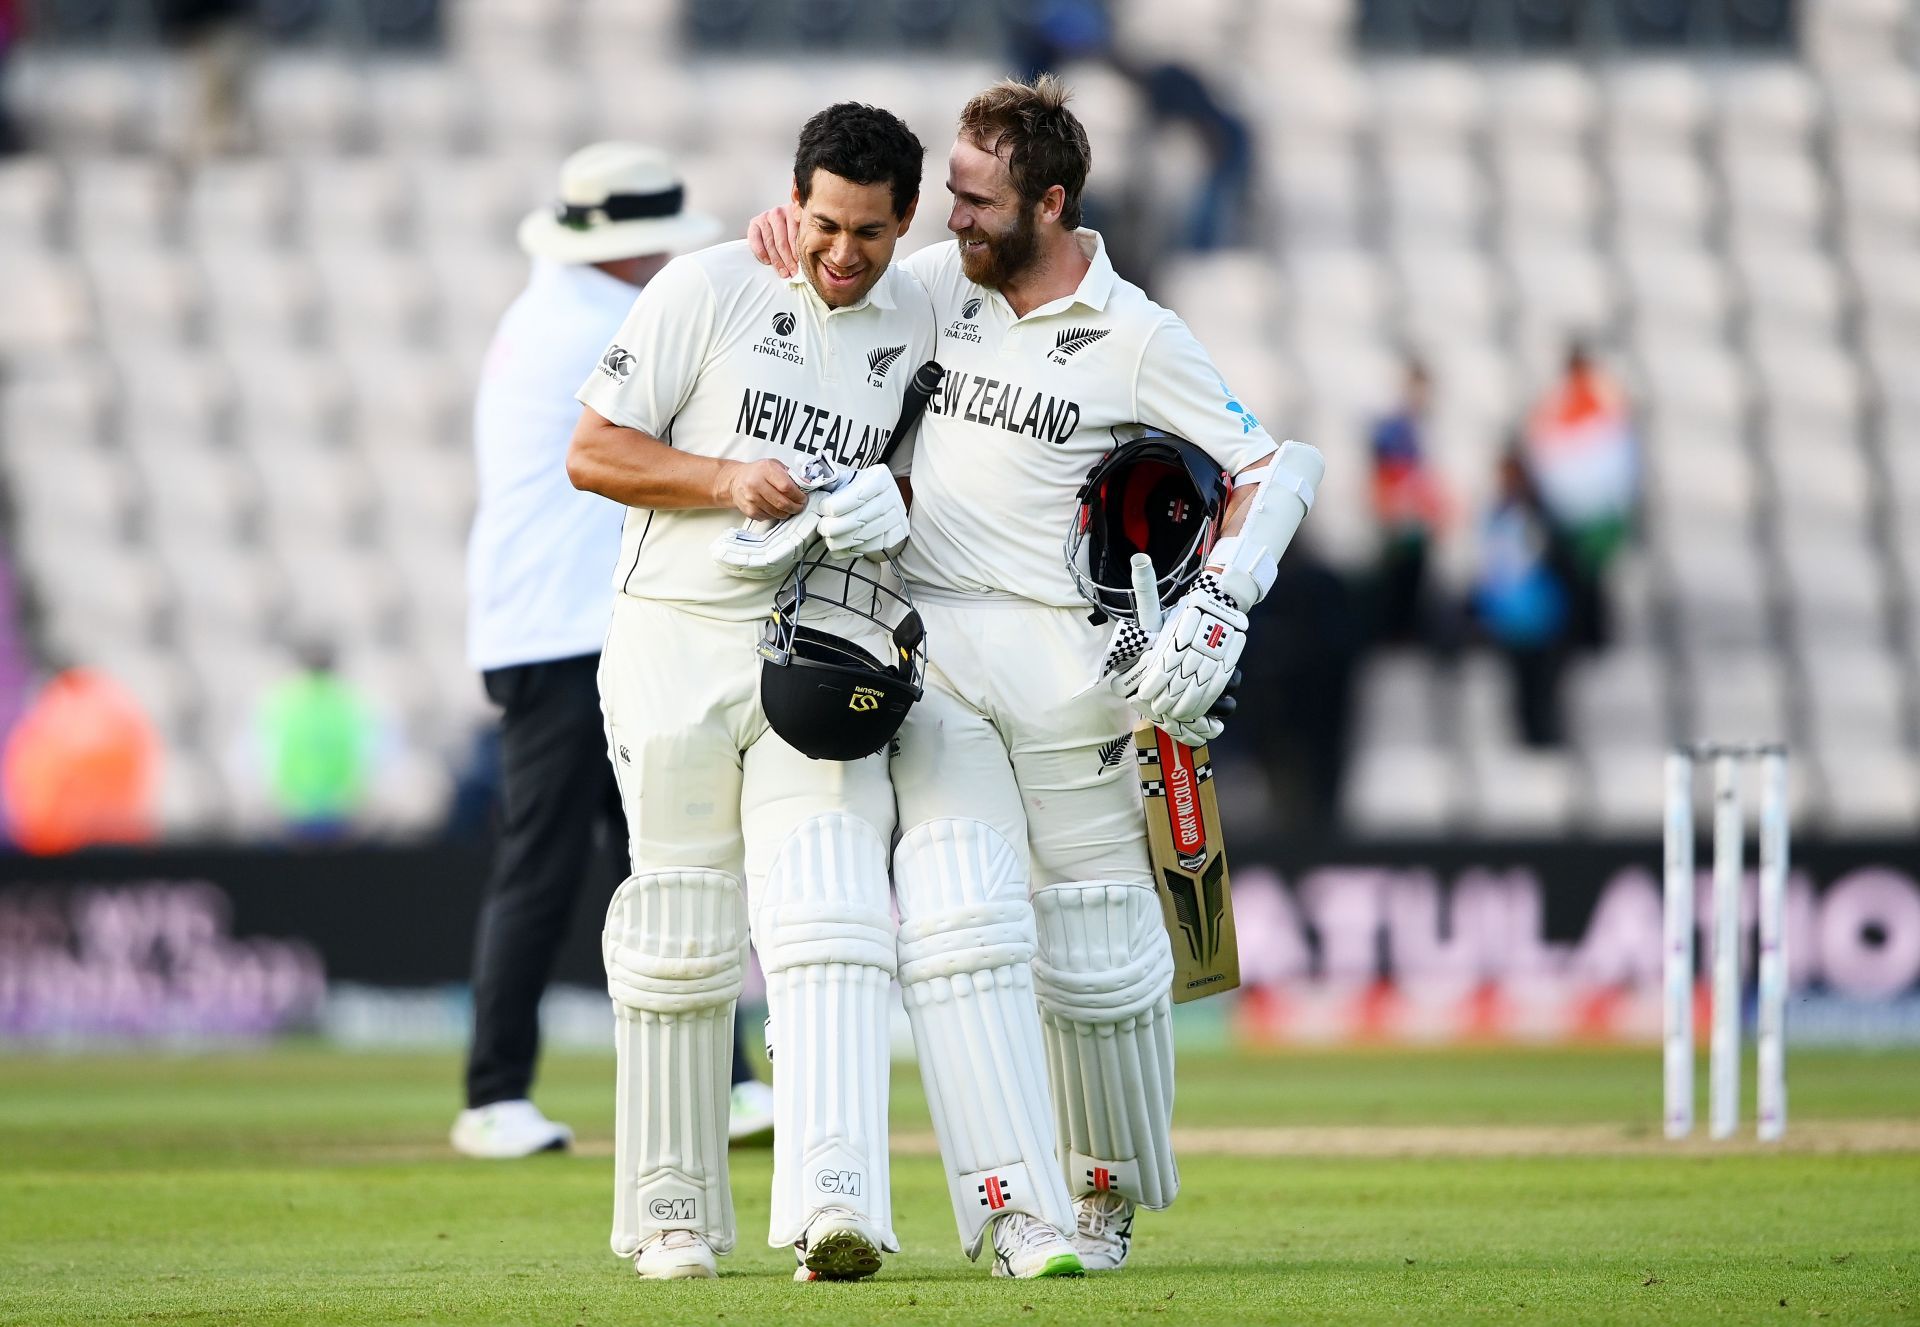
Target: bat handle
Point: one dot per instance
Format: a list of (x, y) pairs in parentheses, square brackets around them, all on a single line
[(1146, 593)]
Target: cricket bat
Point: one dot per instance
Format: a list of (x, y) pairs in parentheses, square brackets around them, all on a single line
[(1184, 840)]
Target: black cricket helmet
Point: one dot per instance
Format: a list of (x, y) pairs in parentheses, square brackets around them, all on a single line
[(1154, 494), (829, 696)]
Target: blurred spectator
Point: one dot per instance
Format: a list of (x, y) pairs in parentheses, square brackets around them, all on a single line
[(318, 742), (1410, 507), (1058, 31), (1585, 465), (541, 562), (81, 767), (12, 20), (219, 39), (1294, 705), (1520, 600)]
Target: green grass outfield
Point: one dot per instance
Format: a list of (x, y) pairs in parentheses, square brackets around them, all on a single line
[(307, 1186)]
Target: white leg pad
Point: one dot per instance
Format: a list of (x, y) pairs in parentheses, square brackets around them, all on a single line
[(1104, 976), (966, 955), (675, 948), (826, 944)]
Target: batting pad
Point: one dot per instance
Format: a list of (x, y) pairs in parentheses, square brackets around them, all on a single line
[(966, 954), (675, 947), (1104, 976), (826, 944)]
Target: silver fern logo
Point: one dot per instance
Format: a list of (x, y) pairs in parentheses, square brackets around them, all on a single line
[(1072, 340), (1111, 752), (879, 360)]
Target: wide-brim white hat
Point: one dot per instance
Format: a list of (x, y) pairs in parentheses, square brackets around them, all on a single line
[(617, 200)]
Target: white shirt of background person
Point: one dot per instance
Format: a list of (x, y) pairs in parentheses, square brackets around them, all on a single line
[(541, 552)]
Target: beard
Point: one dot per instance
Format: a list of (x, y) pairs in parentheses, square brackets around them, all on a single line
[(1006, 254)]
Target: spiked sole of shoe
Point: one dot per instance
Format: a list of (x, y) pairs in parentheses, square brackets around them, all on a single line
[(842, 1255), (1062, 1264)]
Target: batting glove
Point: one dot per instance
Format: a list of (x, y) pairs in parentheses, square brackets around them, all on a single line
[(1124, 663), (864, 516), (759, 551), (1193, 658)]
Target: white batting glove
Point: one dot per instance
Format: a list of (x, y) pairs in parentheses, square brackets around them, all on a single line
[(1192, 660), (1124, 663), (762, 551), (865, 515)]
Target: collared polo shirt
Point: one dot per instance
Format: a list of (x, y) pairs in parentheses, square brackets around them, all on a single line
[(1028, 406), (720, 356)]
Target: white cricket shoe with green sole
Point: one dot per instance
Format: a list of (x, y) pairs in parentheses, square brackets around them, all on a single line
[(1027, 1248)]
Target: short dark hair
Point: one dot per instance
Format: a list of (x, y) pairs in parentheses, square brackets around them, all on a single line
[(863, 144), (1044, 143)]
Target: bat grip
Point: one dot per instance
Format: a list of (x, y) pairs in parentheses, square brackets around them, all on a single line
[(1146, 593), (926, 381)]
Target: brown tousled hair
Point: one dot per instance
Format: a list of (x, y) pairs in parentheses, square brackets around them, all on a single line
[(1043, 142)]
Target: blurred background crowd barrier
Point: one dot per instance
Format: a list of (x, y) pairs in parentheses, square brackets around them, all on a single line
[(1603, 311)]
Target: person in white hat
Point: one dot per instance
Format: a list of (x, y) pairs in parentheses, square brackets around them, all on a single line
[(539, 603)]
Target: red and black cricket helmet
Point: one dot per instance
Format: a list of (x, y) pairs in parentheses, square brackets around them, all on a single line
[(1153, 493)]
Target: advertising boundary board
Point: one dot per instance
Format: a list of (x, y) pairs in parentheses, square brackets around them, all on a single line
[(1342, 940)]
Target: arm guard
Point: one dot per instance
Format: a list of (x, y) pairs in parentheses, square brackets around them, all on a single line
[(1245, 564)]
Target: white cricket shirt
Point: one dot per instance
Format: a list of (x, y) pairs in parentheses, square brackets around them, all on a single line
[(720, 356), (538, 553), (1026, 409)]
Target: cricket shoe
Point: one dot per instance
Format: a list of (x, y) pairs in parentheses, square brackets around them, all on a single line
[(675, 1255), (1103, 1230), (508, 1129), (750, 1112), (837, 1246), (1027, 1248)]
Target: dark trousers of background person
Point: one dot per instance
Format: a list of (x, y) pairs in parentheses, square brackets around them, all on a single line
[(558, 805), (1537, 671)]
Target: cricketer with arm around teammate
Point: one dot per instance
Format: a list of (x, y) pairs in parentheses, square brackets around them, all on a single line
[(1029, 917)]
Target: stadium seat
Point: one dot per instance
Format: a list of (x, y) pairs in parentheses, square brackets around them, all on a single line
[(1675, 292), (123, 201), (1401, 789), (32, 202), (1690, 379), (355, 203), (1434, 197), (1560, 291), (1544, 103), (46, 310), (147, 295), (1226, 296), (1870, 787), (1659, 194), (1334, 291), (1653, 104), (1432, 103), (1719, 599), (1320, 195), (1618, 697), (1622, 795), (1878, 105), (1796, 291), (261, 298), (1516, 792), (418, 110), (1772, 194), (378, 296), (1736, 695), (1546, 196), (312, 103), (1767, 104)]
